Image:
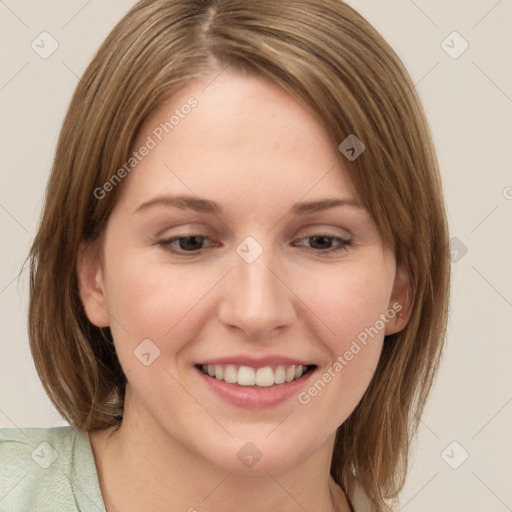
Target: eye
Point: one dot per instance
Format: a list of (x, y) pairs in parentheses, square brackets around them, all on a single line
[(192, 244), (184, 244), (323, 243)]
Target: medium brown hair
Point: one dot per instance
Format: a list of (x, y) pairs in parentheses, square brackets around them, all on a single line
[(329, 58)]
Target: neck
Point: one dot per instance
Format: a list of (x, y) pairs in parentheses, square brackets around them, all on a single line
[(142, 467)]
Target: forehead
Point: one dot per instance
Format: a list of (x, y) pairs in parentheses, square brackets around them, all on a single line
[(244, 137)]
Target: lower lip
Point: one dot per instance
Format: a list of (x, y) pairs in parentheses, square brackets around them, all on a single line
[(252, 398)]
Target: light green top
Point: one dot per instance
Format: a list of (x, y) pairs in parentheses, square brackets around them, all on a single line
[(48, 470)]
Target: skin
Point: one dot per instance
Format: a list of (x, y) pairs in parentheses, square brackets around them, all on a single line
[(177, 447)]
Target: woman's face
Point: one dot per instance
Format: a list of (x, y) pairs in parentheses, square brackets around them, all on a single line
[(238, 249)]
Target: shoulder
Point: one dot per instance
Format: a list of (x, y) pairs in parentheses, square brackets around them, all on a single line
[(21, 439), (34, 463), (362, 503), (38, 467), (360, 500), (35, 448)]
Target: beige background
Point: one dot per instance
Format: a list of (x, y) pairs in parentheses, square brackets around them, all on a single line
[(468, 100)]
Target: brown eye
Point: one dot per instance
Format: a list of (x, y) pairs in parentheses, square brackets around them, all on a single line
[(326, 243), (184, 244)]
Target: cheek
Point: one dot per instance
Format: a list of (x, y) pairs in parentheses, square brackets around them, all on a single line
[(350, 309), (149, 296), (349, 302), (161, 302), (151, 307)]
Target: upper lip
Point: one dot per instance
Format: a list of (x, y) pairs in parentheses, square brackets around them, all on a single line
[(256, 362)]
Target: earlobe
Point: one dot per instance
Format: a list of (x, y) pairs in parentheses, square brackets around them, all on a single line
[(400, 301), (91, 286)]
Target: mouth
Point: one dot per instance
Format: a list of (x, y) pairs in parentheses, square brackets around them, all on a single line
[(262, 377)]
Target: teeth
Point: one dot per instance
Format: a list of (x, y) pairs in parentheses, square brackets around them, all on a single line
[(230, 374), (280, 375), (219, 372), (246, 376), (265, 377), (290, 374)]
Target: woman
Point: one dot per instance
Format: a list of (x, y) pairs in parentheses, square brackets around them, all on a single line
[(239, 285)]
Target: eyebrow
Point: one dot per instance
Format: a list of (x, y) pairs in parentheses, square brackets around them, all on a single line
[(206, 206)]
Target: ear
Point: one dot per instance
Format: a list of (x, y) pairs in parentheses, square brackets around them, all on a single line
[(91, 285), (399, 301)]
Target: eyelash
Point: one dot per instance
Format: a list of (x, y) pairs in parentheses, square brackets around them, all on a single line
[(166, 244)]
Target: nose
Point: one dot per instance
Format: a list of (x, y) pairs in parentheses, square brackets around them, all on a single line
[(256, 299)]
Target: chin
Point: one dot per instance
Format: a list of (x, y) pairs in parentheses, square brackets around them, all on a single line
[(258, 454)]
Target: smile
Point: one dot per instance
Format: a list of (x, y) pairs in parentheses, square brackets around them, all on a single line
[(262, 377), (252, 382)]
